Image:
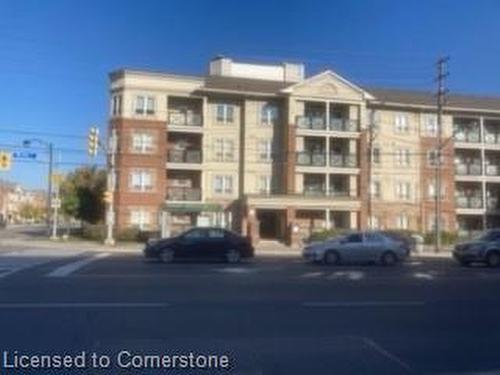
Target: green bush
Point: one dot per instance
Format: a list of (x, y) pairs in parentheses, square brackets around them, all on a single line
[(447, 238), (128, 234), (325, 234), (94, 232)]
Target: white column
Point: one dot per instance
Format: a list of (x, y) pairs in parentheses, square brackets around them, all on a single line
[(327, 219), (327, 115)]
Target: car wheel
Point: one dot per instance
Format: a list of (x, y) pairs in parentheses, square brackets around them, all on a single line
[(331, 257), (233, 256), (389, 258), (167, 256), (493, 259)]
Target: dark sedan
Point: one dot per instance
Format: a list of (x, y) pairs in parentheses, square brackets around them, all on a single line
[(213, 243), (484, 249)]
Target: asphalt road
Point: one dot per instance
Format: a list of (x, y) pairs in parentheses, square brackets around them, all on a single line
[(269, 315)]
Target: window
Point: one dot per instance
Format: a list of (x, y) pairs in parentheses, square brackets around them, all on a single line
[(225, 113), (432, 158), (144, 105), (215, 233), (430, 125), (374, 237), (401, 123), (403, 190), (224, 149), (139, 218), (264, 184), (374, 222), (431, 190), (195, 234), (269, 114), (402, 157), (223, 184), (116, 105), (431, 224), (264, 149), (375, 190), (376, 155), (402, 221), (141, 180), (354, 238), (142, 143)]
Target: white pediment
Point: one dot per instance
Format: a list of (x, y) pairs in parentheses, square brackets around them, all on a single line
[(328, 85)]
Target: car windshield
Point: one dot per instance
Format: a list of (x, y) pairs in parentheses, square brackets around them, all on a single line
[(491, 235)]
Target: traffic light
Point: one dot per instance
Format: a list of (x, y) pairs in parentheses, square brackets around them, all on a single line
[(108, 196), (93, 141), (5, 161)]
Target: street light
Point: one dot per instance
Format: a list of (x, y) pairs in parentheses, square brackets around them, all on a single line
[(50, 147)]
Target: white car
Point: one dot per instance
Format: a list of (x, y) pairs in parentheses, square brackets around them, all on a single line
[(357, 247)]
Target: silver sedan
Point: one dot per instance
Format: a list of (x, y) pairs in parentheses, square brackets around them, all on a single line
[(357, 247)]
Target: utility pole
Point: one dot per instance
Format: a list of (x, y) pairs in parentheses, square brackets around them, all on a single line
[(441, 98), (111, 182), (49, 177), (371, 136)]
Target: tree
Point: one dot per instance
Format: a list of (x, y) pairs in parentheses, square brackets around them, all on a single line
[(29, 211), (81, 194)]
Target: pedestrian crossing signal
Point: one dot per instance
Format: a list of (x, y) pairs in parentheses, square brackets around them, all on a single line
[(93, 143), (5, 161)]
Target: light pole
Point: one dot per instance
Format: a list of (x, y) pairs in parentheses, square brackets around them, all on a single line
[(50, 148)]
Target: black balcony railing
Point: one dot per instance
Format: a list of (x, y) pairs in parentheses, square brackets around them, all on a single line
[(184, 156), (492, 204), (185, 118), (464, 169), (175, 193), (311, 122), (344, 125), (343, 160), (316, 191), (313, 159), (467, 136), (492, 170), (469, 202)]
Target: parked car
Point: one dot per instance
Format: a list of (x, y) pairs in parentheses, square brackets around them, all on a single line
[(484, 249), (359, 247), (213, 243)]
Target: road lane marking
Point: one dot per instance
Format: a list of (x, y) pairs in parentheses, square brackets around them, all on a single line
[(77, 305), (70, 268), (335, 304), (385, 353)]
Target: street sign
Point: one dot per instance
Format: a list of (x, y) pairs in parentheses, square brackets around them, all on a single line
[(5, 160), (24, 155), (56, 203)]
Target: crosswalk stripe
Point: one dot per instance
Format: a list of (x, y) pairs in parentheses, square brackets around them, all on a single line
[(70, 268)]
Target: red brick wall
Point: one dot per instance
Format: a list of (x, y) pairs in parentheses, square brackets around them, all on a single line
[(127, 160), (427, 175)]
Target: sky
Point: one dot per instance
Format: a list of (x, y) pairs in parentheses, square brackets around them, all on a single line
[(55, 55)]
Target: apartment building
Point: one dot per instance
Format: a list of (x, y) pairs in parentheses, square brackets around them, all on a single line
[(273, 154)]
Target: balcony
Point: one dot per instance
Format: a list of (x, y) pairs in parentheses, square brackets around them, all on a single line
[(464, 169), (311, 159), (184, 156), (492, 170), (343, 160), (185, 119), (491, 137), (175, 193), (319, 123), (344, 125), (469, 202), (318, 191), (311, 122), (492, 204)]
